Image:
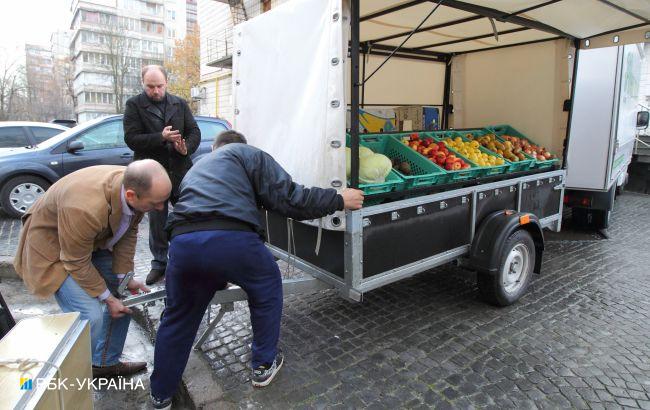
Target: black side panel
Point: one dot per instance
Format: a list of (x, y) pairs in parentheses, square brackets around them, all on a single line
[(540, 198), (330, 256), (494, 200), (388, 244)]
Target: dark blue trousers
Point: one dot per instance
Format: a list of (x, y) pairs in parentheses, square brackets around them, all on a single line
[(201, 263)]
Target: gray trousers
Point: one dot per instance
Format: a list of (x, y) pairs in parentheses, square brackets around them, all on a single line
[(158, 237)]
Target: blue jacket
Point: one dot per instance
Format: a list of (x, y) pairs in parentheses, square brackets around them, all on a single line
[(236, 180)]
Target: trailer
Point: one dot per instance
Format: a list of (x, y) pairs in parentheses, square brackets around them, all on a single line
[(298, 67)]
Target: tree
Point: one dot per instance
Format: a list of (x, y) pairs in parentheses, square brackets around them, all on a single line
[(184, 68), (13, 90), (115, 46)]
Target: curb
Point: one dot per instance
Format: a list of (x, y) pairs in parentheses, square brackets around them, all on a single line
[(199, 389)]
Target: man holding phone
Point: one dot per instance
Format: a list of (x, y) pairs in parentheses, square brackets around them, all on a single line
[(160, 126)]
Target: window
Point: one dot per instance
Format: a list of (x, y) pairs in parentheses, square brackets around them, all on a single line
[(209, 129), (12, 137), (41, 133), (104, 136)]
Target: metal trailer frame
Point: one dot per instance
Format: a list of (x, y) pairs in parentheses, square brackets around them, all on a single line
[(353, 284)]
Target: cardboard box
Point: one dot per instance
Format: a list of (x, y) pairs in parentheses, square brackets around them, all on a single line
[(419, 117), (63, 340)]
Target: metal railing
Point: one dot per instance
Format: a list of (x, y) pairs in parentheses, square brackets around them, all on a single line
[(220, 49)]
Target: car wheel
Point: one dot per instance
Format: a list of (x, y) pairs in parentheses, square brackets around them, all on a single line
[(19, 194), (510, 282)]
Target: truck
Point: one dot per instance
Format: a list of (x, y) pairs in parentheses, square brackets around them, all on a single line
[(493, 68), (603, 131)]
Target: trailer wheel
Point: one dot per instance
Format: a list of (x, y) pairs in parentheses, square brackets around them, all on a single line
[(516, 265)]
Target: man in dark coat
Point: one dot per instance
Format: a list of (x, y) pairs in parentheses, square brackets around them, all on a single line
[(160, 126), (216, 239)]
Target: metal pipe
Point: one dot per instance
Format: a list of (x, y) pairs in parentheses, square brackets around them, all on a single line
[(574, 76), (446, 96), (354, 94)]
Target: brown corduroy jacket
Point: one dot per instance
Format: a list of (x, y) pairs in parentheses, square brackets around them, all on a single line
[(75, 217)]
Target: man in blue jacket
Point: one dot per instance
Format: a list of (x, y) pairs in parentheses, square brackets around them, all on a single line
[(216, 238)]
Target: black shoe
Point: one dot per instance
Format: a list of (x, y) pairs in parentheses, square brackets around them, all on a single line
[(119, 369), (161, 404), (264, 374), (154, 276)]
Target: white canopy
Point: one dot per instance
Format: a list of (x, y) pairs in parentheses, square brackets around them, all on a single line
[(460, 26)]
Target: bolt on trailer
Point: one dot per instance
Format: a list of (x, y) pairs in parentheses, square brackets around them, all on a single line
[(495, 72)]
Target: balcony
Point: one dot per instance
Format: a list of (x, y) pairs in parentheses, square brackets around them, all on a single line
[(220, 49)]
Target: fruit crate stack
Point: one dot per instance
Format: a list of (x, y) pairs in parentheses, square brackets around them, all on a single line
[(542, 158), (489, 163), (516, 160), (425, 144)]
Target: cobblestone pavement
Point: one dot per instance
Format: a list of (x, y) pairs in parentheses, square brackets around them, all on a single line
[(579, 338)]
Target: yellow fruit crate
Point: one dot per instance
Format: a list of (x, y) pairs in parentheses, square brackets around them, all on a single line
[(513, 166), (485, 169)]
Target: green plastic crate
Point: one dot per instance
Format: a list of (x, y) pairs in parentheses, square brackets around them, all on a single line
[(423, 171), (503, 129), (393, 181), (521, 165), (480, 171), (510, 166)]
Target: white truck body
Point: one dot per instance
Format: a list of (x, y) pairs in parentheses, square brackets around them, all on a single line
[(603, 123)]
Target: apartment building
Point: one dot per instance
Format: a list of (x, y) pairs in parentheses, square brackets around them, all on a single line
[(111, 41), (216, 20)]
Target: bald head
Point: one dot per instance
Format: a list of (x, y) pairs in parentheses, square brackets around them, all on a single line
[(154, 81), (146, 185)]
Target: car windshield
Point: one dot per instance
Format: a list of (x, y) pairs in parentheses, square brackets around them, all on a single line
[(72, 131)]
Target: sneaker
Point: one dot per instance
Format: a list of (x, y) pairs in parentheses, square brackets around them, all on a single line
[(161, 404), (264, 374)]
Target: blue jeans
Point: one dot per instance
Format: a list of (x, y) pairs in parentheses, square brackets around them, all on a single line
[(201, 263), (107, 335)]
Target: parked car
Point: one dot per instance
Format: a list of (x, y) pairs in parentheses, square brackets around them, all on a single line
[(27, 172), (65, 123), (15, 134)]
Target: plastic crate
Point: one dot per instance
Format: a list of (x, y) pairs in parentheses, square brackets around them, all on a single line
[(512, 166), (423, 171), (480, 171), (393, 181), (501, 130)]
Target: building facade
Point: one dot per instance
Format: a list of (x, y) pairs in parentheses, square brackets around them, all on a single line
[(111, 41), (216, 19), (191, 22)]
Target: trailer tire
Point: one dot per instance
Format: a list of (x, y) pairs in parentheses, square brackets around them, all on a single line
[(516, 265)]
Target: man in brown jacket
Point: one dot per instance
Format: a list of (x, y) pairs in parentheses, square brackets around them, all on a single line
[(78, 242)]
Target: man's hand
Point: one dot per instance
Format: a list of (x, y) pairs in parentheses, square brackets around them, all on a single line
[(171, 135), (180, 146), (352, 198), (116, 308), (135, 285)]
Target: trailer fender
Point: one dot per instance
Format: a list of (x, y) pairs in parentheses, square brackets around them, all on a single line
[(492, 234)]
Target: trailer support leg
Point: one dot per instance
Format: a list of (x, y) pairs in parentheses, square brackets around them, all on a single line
[(224, 307)]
